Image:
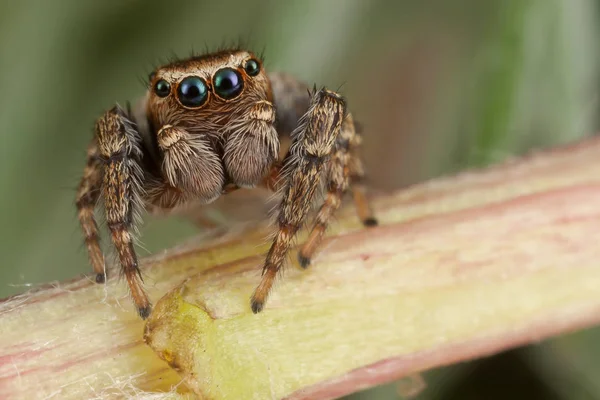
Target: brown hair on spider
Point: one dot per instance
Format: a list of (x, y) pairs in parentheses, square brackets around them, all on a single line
[(208, 125), (217, 95)]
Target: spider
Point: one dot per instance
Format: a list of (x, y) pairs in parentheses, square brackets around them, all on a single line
[(209, 125)]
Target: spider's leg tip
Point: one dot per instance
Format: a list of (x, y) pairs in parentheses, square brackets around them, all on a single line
[(257, 305), (145, 311), (101, 277), (371, 221), (303, 260)]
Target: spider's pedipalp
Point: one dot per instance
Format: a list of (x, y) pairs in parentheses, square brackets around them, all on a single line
[(252, 145), (190, 163)]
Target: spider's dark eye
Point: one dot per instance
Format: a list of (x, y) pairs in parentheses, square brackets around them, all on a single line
[(192, 92), (228, 83), (252, 67), (162, 88)]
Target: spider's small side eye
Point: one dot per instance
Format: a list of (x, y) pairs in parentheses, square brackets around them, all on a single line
[(162, 88), (228, 83), (252, 67), (192, 92)]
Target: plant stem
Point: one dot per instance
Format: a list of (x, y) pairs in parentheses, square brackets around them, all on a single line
[(460, 267)]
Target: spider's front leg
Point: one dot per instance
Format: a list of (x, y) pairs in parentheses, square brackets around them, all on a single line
[(313, 144), (119, 148), (345, 171)]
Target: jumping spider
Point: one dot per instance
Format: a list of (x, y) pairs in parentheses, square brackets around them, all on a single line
[(208, 125)]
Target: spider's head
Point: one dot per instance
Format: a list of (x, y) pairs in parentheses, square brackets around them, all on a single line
[(202, 93)]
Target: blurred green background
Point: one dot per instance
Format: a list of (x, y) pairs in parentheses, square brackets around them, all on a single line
[(440, 85)]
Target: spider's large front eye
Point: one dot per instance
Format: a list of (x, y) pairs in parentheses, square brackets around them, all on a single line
[(228, 83), (192, 92), (162, 88)]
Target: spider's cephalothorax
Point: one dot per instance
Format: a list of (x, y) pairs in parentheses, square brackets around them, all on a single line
[(209, 125)]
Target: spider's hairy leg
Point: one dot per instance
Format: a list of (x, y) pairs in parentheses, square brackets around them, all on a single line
[(357, 186), (337, 184), (118, 143), (313, 143), (345, 171), (291, 102), (87, 197)]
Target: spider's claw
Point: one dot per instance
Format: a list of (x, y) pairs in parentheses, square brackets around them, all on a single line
[(101, 277), (257, 305), (262, 290), (303, 260), (144, 312), (370, 222)]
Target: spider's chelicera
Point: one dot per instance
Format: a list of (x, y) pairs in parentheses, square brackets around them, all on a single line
[(208, 125)]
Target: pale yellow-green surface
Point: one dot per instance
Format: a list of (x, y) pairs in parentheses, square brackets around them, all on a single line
[(460, 267), (497, 274)]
